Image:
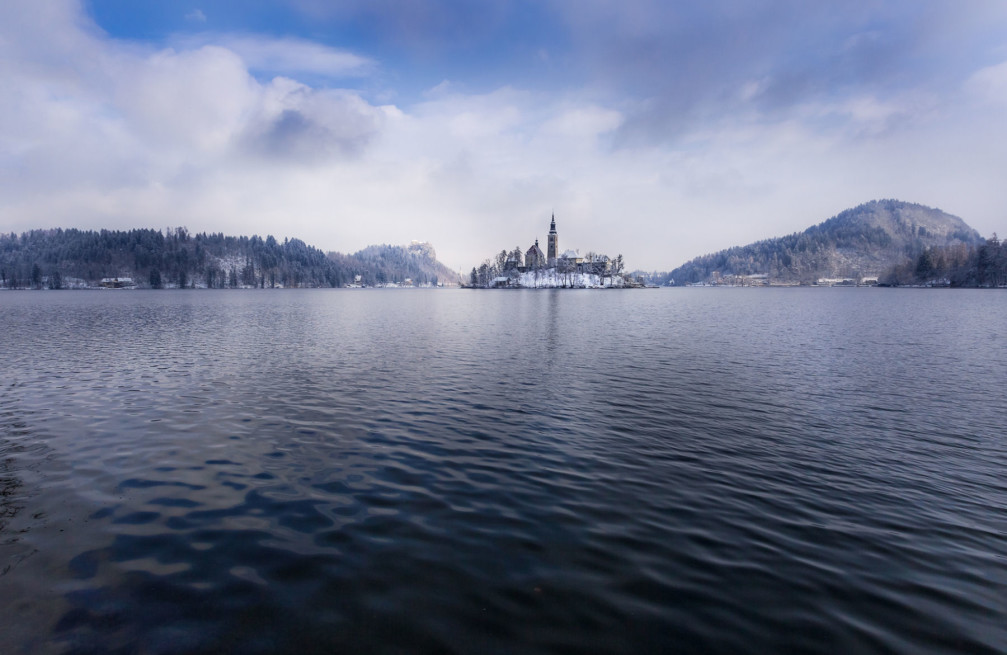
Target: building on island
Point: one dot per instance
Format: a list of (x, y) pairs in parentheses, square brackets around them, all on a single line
[(570, 261), (572, 257), (534, 269), (535, 258)]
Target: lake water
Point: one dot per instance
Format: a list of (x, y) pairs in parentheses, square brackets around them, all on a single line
[(429, 471)]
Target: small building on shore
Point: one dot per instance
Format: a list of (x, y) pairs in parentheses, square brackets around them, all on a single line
[(117, 283)]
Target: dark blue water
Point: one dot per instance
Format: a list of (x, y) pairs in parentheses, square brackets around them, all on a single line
[(410, 471)]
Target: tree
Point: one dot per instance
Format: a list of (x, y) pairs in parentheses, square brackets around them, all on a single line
[(985, 265), (485, 273), (517, 255), (248, 274), (564, 267), (55, 280), (155, 279), (925, 264), (36, 276), (1000, 261)]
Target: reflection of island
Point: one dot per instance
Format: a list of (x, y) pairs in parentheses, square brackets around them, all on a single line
[(536, 270)]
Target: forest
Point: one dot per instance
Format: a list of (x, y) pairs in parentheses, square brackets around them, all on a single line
[(73, 258), (982, 266)]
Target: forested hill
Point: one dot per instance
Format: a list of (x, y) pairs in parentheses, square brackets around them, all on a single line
[(150, 258), (861, 242), (383, 264)]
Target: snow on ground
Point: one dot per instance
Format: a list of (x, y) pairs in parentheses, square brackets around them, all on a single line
[(551, 278)]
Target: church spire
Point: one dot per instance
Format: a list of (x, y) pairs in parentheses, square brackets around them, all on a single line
[(552, 250)]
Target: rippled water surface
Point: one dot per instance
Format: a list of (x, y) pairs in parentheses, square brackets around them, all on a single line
[(411, 471)]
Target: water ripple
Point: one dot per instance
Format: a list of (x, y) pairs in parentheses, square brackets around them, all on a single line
[(686, 470)]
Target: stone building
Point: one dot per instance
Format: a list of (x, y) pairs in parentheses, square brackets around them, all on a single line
[(534, 258)]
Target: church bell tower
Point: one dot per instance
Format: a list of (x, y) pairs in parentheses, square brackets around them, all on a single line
[(552, 249)]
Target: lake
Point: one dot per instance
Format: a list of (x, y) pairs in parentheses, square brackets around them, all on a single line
[(429, 471)]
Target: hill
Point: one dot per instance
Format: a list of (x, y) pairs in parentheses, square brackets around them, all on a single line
[(861, 242), (71, 258), (383, 264)]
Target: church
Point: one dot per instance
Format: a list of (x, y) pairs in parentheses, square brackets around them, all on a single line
[(535, 259), (535, 269), (570, 261)]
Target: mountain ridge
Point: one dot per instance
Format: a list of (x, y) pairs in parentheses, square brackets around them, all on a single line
[(863, 241)]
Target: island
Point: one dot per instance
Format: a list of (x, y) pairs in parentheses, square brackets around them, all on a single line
[(533, 269)]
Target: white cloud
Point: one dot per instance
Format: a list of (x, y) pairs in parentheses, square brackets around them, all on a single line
[(285, 56), (585, 121), (196, 16), (85, 138), (989, 84), (299, 124), (870, 116), (189, 102)]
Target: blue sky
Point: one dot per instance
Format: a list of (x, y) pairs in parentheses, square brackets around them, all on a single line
[(417, 45), (656, 129)]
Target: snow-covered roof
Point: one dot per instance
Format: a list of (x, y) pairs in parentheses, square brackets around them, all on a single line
[(570, 254)]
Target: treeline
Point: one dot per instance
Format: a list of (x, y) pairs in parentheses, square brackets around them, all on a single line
[(60, 258), (863, 240), (494, 267), (69, 258), (955, 266)]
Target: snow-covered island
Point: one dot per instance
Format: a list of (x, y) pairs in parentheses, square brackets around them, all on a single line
[(534, 269)]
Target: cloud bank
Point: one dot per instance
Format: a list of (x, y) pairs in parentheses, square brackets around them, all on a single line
[(656, 130)]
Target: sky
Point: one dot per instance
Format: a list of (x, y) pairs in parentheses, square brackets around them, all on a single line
[(656, 129)]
